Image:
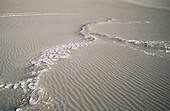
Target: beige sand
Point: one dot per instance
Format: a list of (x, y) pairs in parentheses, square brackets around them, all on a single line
[(108, 73), (158, 4)]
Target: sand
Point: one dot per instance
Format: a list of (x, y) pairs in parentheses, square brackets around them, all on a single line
[(84, 55)]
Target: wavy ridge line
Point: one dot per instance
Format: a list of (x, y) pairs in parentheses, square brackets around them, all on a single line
[(161, 46), (32, 14)]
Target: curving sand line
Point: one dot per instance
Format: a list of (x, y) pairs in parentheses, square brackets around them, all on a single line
[(158, 46), (32, 14)]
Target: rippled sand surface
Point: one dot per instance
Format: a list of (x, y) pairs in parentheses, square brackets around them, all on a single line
[(84, 55)]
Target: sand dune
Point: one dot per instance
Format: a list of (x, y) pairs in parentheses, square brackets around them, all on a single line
[(93, 57)]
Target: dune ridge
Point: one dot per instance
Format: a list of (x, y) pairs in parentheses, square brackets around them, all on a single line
[(25, 14), (42, 63)]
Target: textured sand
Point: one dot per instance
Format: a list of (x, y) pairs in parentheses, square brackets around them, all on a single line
[(158, 4), (84, 55)]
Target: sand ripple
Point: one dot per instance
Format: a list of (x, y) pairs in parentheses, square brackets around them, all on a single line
[(32, 14), (92, 81)]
